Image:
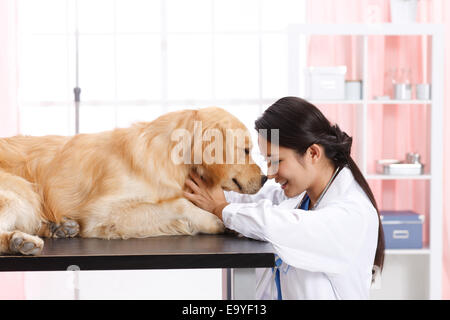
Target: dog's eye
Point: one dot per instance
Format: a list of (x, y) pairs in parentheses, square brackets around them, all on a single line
[(247, 150)]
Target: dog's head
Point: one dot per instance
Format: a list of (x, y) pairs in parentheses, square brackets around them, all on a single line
[(226, 153), (220, 151)]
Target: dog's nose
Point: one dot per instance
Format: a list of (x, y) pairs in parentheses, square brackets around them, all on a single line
[(263, 180)]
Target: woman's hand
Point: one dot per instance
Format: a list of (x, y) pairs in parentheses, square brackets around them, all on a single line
[(211, 199)]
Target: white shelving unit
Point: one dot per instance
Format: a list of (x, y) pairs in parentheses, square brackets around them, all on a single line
[(425, 282)]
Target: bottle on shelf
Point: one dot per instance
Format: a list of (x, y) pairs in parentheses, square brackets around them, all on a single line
[(402, 87)]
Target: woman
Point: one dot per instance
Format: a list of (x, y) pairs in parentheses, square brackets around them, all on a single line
[(323, 222)]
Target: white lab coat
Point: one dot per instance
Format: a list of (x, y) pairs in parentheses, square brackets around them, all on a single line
[(327, 253)]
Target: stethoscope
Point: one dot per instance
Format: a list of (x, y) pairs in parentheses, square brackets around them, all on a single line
[(323, 192)]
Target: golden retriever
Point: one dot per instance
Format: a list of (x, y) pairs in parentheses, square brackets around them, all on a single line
[(120, 184)]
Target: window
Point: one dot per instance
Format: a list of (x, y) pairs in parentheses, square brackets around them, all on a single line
[(140, 58)]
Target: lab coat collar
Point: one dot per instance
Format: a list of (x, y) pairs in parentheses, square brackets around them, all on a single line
[(338, 187)]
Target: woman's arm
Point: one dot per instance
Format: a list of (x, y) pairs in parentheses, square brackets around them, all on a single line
[(270, 191)]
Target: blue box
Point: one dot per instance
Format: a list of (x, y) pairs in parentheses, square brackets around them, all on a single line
[(402, 229)]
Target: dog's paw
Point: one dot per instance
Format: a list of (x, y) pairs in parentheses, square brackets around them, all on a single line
[(25, 244), (66, 229), (220, 227), (215, 226)]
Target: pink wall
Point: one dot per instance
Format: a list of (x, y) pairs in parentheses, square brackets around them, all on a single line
[(445, 10), (405, 126)]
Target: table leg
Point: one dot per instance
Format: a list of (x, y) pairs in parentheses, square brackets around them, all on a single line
[(240, 284), (76, 280)]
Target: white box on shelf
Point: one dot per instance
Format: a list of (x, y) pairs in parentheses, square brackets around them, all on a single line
[(325, 83), (397, 167)]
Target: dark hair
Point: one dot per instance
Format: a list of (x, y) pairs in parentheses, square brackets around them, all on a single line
[(302, 124)]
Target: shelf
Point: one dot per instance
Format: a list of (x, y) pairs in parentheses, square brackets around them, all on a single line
[(398, 177), (365, 34), (423, 251)]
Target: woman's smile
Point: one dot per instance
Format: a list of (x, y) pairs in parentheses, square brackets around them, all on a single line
[(282, 182)]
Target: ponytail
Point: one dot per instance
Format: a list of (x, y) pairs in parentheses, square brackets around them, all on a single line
[(340, 149), (379, 254)]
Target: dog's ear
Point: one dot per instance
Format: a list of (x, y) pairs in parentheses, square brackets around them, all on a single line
[(207, 144), (213, 146), (237, 146)]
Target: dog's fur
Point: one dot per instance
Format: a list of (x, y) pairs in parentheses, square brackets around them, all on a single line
[(117, 184)]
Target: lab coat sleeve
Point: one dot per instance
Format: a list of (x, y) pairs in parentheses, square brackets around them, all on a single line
[(323, 240), (270, 191)]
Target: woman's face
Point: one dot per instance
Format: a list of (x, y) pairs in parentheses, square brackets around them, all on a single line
[(287, 167)]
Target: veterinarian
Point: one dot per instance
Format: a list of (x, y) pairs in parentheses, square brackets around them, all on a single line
[(323, 222)]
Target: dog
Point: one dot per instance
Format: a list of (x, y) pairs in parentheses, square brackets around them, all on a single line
[(119, 184)]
